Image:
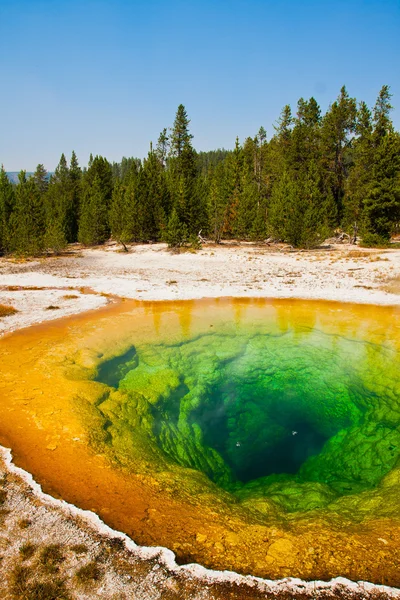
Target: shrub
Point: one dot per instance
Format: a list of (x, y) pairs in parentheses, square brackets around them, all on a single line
[(6, 311), (27, 551), (89, 572), (50, 557), (374, 240)]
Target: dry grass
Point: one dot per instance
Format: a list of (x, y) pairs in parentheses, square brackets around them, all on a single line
[(70, 297), (79, 548), (392, 285), (24, 523), (27, 550), (24, 585), (358, 254), (6, 311), (89, 573), (51, 557)]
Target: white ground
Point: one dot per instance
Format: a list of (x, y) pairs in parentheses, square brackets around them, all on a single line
[(151, 272)]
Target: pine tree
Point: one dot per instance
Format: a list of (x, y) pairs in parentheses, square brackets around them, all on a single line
[(163, 147), (283, 136), (93, 225), (54, 239), (382, 122), (358, 183), (101, 168), (183, 174), (317, 210), (41, 179), (176, 233), (283, 214), (300, 212), (75, 177), (96, 194), (180, 136), (234, 169), (7, 201), (153, 196), (382, 205), (119, 217), (338, 127), (27, 221), (305, 134), (218, 202), (59, 209)]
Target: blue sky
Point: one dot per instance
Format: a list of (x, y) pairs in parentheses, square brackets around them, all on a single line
[(106, 77)]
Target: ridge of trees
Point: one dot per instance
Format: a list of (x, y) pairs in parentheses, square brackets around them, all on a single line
[(316, 173)]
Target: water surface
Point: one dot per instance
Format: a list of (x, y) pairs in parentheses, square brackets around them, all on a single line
[(239, 433)]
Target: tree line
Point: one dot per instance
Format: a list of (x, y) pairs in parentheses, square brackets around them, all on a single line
[(317, 173)]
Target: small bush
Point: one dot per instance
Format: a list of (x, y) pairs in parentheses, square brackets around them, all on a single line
[(47, 590), (70, 297), (116, 543), (50, 558), (79, 548), (373, 240), (195, 242), (6, 311), (88, 573), (24, 523), (19, 577), (27, 551), (52, 307)]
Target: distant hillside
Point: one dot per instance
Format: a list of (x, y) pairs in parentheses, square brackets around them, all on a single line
[(13, 175)]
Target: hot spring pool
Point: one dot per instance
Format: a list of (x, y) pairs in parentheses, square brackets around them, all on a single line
[(260, 436)]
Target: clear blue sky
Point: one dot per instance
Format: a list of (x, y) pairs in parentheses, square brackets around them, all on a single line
[(106, 76)]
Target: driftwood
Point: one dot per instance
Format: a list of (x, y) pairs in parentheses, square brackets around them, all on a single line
[(202, 240)]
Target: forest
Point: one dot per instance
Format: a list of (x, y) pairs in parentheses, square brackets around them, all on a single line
[(318, 173)]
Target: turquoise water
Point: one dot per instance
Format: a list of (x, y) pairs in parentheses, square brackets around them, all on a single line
[(265, 412)]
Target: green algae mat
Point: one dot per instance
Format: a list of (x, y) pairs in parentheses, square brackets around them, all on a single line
[(260, 436)]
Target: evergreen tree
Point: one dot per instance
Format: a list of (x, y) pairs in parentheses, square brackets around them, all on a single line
[(27, 221), (315, 173), (305, 134), (7, 201), (120, 217), (358, 183), (284, 130), (60, 212), (153, 195), (41, 179), (299, 212), (176, 233), (163, 147), (382, 122), (218, 202), (180, 135), (101, 168), (382, 205), (234, 170), (183, 174), (338, 127), (75, 177), (54, 238), (93, 225), (284, 214)]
